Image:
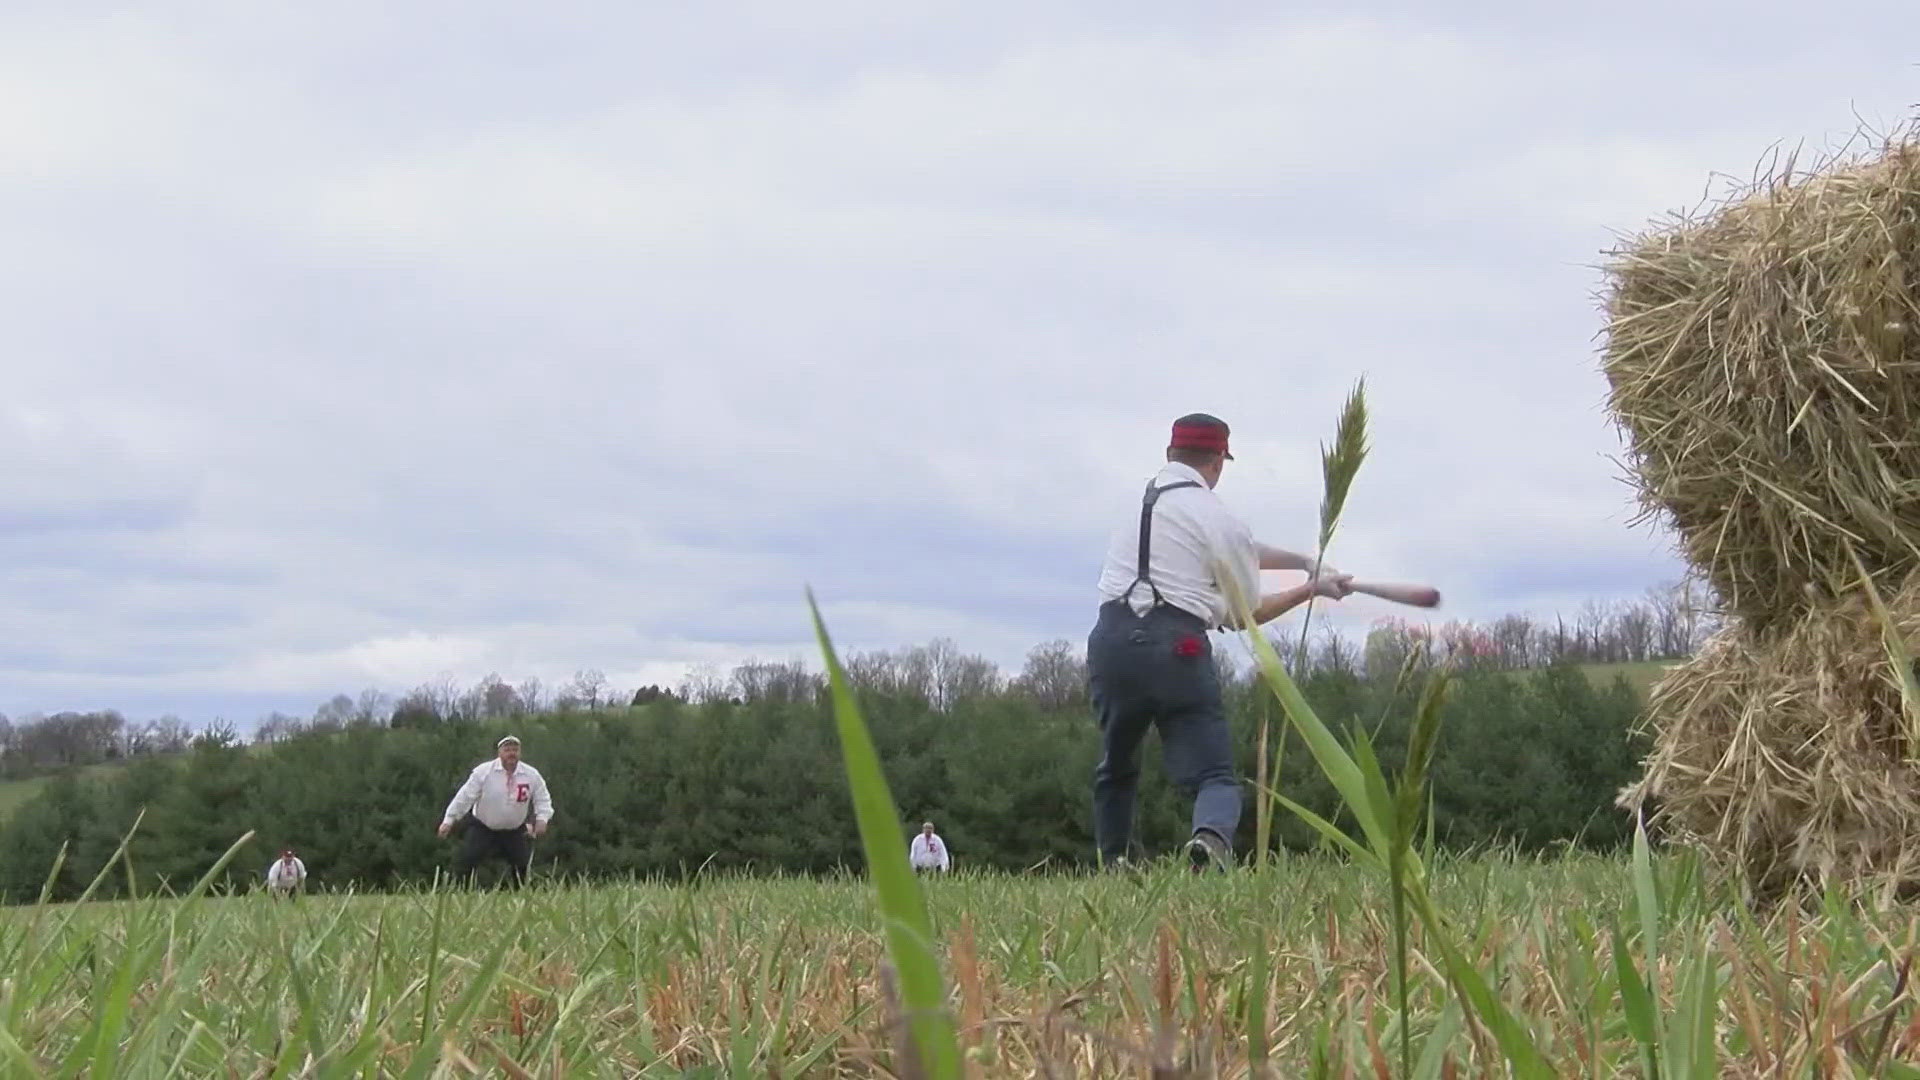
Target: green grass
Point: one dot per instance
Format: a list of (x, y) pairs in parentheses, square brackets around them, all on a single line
[(1091, 975), (1640, 674), (17, 793)]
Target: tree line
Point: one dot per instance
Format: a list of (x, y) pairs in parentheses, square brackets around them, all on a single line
[(1668, 623), (745, 772)]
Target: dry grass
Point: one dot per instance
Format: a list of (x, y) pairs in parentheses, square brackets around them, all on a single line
[(1061, 976), (1788, 757), (1764, 360)]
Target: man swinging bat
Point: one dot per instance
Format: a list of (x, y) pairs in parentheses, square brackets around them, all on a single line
[(1149, 661)]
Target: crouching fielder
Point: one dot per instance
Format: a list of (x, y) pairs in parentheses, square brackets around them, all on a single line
[(286, 876), (928, 851), (508, 801)]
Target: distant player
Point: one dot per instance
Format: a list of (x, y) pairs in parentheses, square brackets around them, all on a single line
[(928, 851), (286, 876), (507, 804)]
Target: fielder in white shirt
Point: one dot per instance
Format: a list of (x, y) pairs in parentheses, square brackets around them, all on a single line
[(1163, 587), (507, 803), (928, 851), (286, 875)]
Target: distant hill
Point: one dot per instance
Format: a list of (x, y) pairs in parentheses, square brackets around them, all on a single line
[(1640, 674), (15, 792)]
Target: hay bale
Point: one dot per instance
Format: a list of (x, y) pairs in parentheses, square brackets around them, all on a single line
[(1790, 758), (1764, 362)]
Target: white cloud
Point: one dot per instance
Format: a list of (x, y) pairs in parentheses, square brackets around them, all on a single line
[(350, 347)]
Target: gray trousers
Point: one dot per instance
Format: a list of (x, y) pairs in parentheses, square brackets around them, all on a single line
[(1142, 676)]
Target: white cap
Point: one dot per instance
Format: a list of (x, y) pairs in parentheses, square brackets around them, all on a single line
[(505, 739)]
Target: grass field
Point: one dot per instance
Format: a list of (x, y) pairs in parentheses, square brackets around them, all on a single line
[(1281, 972), (13, 793), (1640, 674)]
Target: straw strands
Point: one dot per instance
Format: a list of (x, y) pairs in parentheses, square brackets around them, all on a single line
[(1788, 758), (1764, 363)]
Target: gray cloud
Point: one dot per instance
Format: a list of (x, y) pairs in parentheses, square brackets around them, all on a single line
[(358, 347)]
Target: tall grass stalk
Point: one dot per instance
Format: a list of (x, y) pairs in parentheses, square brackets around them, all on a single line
[(1388, 814), (1263, 806), (909, 932), (1339, 464)]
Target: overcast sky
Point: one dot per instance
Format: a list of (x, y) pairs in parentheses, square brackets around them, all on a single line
[(360, 344)]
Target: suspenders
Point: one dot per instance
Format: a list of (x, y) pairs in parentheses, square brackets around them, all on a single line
[(1146, 537)]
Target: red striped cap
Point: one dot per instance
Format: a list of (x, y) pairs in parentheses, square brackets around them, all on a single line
[(1200, 431)]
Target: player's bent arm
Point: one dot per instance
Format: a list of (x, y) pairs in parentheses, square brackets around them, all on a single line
[(1273, 558), (542, 802), (1275, 604), (464, 799)]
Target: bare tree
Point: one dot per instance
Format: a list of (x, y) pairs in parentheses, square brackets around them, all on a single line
[(169, 734), (1386, 649), (1287, 647), (1700, 611), (495, 698), (531, 694), (334, 714), (1336, 653), (949, 675), (970, 678), (589, 687), (419, 708), (70, 738), (1055, 676), (877, 672), (1513, 638), (441, 697), (1669, 623), (703, 683), (277, 726), (788, 682), (372, 709), (918, 675), (1633, 631)]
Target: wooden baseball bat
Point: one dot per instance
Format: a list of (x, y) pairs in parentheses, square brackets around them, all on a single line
[(1399, 592)]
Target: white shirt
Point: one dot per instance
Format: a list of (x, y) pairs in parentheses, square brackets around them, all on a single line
[(283, 874), (928, 851), (499, 801), (1192, 529)]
